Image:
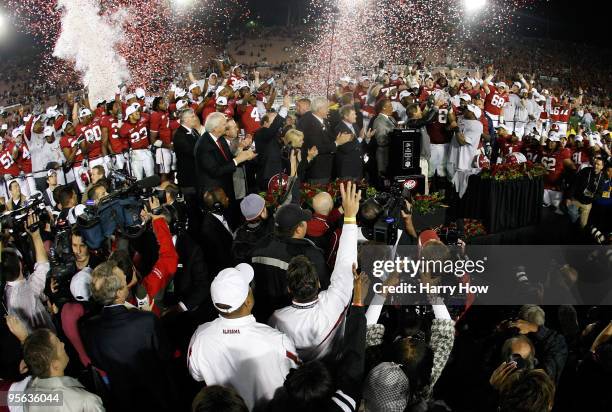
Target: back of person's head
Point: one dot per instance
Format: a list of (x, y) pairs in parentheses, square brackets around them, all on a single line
[(322, 203), (380, 105), (302, 279), (10, 265), (527, 391), (218, 399), (121, 258), (66, 195), (214, 199), (412, 110), (309, 387), (370, 210), (415, 356), (38, 353), (105, 283), (519, 345), (533, 314)]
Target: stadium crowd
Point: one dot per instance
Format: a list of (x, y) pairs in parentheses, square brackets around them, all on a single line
[(221, 297)]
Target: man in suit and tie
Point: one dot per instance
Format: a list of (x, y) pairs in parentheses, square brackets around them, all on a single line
[(214, 163), (384, 125), (216, 235), (317, 132), (349, 157), (129, 345)]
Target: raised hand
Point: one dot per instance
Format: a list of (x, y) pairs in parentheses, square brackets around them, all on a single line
[(350, 199)]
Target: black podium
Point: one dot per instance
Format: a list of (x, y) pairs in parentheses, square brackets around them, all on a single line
[(405, 157)]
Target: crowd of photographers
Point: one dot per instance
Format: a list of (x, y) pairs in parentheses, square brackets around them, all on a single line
[(142, 269)]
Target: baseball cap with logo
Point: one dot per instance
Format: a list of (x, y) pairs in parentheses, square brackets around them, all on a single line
[(48, 131), (251, 206), (230, 288), (475, 109), (180, 104), (84, 112), (79, 285), (405, 93), (221, 101), (291, 215), (140, 93), (131, 109)]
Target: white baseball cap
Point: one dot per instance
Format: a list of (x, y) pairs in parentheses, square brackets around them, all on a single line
[(140, 93), (501, 84), (4, 127), (79, 285), (193, 86), (17, 131), (414, 85), (364, 78), (130, 96), (465, 96), (221, 101), (553, 136), (518, 84), (578, 138), (475, 109), (180, 104), (84, 112), (178, 92), (48, 131), (131, 109), (231, 287), (472, 81), (405, 93)]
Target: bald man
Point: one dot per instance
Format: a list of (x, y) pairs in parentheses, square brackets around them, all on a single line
[(323, 228)]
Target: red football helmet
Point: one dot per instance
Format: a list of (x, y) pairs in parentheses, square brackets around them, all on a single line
[(515, 158), (278, 183), (482, 161)]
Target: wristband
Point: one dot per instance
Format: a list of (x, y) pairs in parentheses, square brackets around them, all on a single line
[(350, 220), (357, 304)]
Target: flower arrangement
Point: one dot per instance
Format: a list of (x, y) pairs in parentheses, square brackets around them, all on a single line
[(427, 204), (514, 171), (308, 191)]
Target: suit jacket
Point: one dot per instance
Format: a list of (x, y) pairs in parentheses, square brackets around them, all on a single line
[(216, 242), (184, 143), (212, 168), (349, 156), (322, 137), (263, 138), (192, 279), (383, 126), (130, 346)]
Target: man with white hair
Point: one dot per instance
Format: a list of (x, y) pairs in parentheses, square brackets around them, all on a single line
[(464, 145), (214, 163), (318, 133)]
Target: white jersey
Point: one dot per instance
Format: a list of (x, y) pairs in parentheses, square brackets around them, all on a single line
[(509, 109), (250, 357), (462, 156), (317, 327), (400, 110)]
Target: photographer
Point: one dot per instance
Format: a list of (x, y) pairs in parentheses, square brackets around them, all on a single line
[(23, 295), (585, 188), (258, 225)]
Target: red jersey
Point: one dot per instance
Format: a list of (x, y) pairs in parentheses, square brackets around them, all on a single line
[(69, 142), (138, 133), (117, 144), (25, 160), (425, 93), (361, 94), (494, 101), (8, 166), (93, 137), (160, 123), (250, 120), (532, 152), (437, 129), (209, 107), (507, 146), (553, 161), (560, 112), (389, 91), (581, 156)]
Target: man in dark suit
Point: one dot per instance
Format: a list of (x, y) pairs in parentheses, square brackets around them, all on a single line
[(184, 141), (349, 157), (216, 235), (214, 163), (318, 132), (129, 345)]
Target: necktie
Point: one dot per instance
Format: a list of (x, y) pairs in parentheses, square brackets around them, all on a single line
[(221, 148)]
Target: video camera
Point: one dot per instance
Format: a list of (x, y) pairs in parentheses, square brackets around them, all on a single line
[(386, 225), (118, 211), (15, 220)]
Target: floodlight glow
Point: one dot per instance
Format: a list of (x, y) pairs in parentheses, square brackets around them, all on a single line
[(3, 25), (472, 6)]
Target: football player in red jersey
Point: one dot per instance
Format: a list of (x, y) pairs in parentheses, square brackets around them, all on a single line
[(532, 148), (581, 155), (9, 155), (73, 147), (25, 164), (561, 110), (161, 136), (506, 142), (555, 161), (495, 99), (249, 119), (89, 126), (116, 147), (136, 130), (427, 89)]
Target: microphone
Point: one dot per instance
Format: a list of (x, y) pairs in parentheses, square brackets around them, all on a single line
[(148, 182), (142, 297)]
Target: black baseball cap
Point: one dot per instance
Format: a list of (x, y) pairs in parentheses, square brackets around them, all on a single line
[(291, 215)]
